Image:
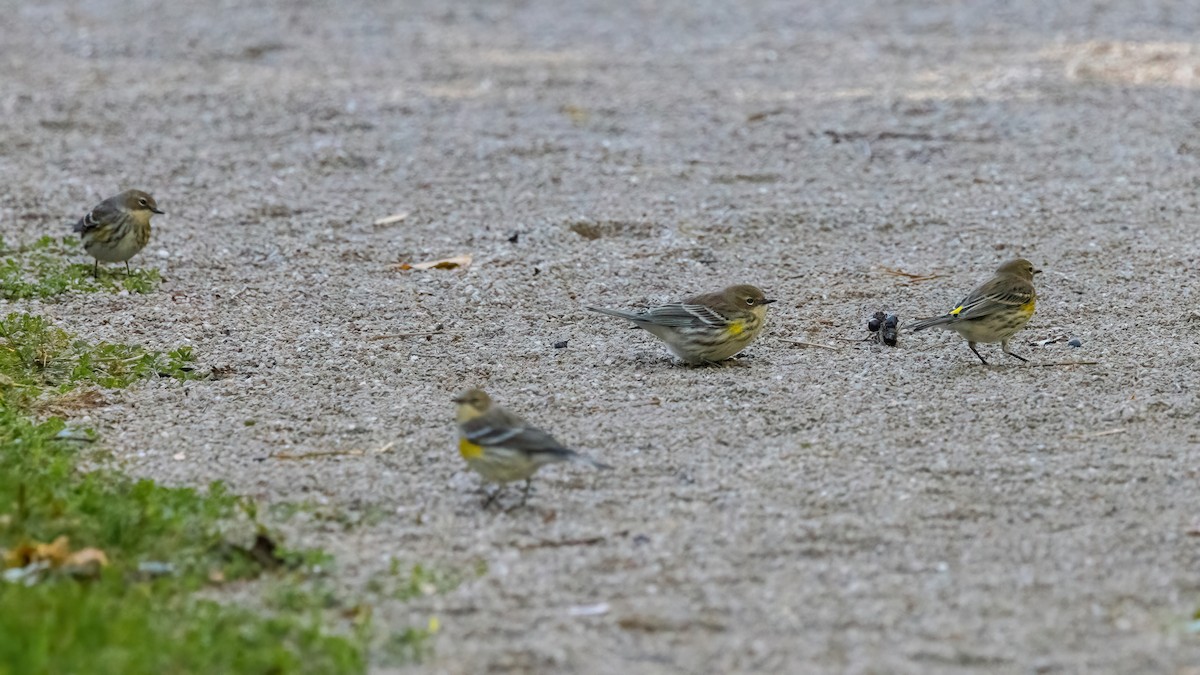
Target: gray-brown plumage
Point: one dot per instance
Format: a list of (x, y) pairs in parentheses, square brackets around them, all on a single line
[(117, 228), (995, 311)]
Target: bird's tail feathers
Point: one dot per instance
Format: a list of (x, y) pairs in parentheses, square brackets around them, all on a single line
[(922, 324), (632, 316)]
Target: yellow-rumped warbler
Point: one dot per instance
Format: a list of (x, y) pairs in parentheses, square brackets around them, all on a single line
[(707, 328), (995, 311), (502, 447), (117, 228)]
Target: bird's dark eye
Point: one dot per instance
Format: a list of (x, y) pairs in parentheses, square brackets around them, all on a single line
[(750, 301), (142, 202)]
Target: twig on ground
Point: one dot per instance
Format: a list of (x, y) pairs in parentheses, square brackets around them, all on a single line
[(1065, 363), (317, 453), (390, 336), (914, 278), (556, 543), (800, 343), (1097, 434)]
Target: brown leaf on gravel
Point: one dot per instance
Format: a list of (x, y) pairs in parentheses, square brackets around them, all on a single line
[(463, 261), (578, 115)]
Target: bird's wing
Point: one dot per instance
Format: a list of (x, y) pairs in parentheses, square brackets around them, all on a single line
[(996, 294), (105, 212), (499, 428), (679, 315)]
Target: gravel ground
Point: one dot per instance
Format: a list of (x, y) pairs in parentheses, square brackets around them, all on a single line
[(858, 509)]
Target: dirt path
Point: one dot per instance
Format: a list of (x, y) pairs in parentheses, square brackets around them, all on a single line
[(851, 510)]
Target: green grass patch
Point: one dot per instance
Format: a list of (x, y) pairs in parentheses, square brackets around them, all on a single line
[(112, 625), (139, 613), (37, 357), (44, 269)]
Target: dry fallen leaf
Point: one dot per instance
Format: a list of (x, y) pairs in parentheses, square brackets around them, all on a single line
[(55, 552), (17, 557), (394, 218), (85, 562), (443, 264), (577, 114)]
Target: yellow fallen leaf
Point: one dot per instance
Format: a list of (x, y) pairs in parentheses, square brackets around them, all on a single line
[(443, 264), (87, 556), (85, 562), (55, 552)]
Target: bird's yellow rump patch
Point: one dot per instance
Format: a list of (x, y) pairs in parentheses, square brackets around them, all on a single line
[(468, 449), (736, 327), (956, 310)]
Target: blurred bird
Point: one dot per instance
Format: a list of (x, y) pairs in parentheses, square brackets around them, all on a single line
[(502, 448), (117, 228), (995, 311), (705, 329)]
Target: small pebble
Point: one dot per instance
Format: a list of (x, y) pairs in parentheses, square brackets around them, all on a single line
[(1075, 342), (561, 344)]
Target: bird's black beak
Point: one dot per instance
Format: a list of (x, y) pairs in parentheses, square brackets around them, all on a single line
[(767, 301), (157, 210), (1037, 271), (458, 399)]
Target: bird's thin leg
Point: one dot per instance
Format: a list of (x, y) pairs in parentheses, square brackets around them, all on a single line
[(96, 269), (525, 492), (972, 346), (1004, 348), (127, 268)]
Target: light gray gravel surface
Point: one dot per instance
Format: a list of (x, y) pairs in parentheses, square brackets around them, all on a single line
[(857, 509)]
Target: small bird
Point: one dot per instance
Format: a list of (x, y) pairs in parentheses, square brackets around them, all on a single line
[(117, 228), (995, 311), (704, 329), (502, 448)]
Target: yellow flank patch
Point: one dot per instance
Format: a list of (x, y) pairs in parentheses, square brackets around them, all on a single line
[(736, 327), (1028, 307), (956, 310), (468, 449)]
